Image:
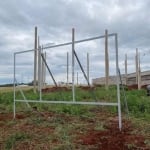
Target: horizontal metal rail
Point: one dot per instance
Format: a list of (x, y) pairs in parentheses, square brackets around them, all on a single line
[(26, 51), (70, 102), (69, 43), (79, 41)]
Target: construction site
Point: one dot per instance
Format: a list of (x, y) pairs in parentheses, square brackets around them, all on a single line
[(72, 96)]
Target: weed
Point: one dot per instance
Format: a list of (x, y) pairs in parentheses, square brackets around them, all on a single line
[(147, 142), (99, 126), (130, 146), (138, 101), (12, 139), (37, 120)]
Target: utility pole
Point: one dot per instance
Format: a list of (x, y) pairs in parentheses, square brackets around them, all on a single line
[(106, 61), (35, 61)]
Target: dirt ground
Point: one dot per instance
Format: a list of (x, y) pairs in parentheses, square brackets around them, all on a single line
[(59, 131)]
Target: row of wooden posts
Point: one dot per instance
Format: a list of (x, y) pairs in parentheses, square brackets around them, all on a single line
[(137, 69), (39, 66), (40, 70), (137, 65)]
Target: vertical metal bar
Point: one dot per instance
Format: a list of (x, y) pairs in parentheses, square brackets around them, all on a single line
[(67, 68), (35, 61), (126, 71), (43, 70), (14, 106), (39, 67), (106, 60), (88, 67), (122, 87), (77, 78), (73, 88), (118, 87), (39, 71)]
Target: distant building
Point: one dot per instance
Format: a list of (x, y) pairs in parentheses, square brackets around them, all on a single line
[(131, 79)]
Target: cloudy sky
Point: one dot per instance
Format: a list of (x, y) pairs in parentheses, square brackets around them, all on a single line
[(56, 18)]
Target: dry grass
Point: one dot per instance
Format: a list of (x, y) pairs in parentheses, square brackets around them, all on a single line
[(10, 89)]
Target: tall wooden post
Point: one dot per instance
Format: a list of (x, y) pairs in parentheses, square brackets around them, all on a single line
[(136, 65), (35, 60), (126, 73), (88, 66), (139, 73), (106, 61)]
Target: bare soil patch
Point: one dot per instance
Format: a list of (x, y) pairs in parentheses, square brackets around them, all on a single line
[(55, 89), (113, 139), (50, 130)]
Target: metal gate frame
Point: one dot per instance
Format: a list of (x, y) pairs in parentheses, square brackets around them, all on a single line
[(73, 90)]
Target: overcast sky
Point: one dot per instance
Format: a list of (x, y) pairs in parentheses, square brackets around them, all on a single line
[(55, 19)]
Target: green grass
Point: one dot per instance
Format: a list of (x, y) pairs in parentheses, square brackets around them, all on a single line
[(138, 101), (14, 138), (67, 119)]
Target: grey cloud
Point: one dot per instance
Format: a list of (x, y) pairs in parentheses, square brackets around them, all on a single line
[(55, 18)]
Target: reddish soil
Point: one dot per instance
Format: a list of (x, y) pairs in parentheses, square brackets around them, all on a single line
[(55, 89), (113, 139), (135, 86), (132, 87), (85, 137), (86, 88)]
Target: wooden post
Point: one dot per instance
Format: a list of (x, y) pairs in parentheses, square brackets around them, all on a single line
[(106, 61), (139, 73), (35, 60), (136, 65), (88, 66), (126, 73)]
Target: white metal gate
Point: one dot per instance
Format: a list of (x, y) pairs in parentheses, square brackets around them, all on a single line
[(73, 43)]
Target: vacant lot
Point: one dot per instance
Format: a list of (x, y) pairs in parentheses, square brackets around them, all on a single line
[(49, 130), (66, 127)]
